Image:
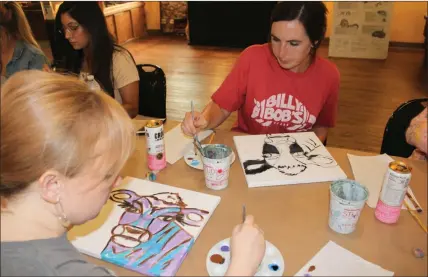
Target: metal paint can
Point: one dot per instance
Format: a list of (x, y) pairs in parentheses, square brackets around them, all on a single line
[(216, 162), (156, 159), (394, 188), (347, 200)]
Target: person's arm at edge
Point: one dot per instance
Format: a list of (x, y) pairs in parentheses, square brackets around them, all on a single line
[(214, 115)]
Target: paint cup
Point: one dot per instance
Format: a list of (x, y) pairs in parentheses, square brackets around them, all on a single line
[(216, 165), (347, 199)]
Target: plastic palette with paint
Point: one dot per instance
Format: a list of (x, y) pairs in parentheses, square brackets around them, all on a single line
[(194, 160), (218, 260)]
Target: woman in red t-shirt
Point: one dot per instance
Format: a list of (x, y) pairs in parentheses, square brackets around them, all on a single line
[(281, 86)]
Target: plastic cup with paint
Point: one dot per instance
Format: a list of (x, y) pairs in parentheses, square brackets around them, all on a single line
[(216, 162), (347, 199)]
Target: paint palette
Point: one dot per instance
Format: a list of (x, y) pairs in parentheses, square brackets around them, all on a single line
[(218, 260), (194, 160)]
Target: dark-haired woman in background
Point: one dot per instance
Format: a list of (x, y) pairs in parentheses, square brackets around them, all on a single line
[(281, 86), (91, 49)]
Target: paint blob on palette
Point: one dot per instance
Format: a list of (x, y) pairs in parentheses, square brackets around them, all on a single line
[(194, 160), (218, 260)]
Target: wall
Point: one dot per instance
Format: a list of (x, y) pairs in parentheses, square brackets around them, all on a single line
[(407, 21), (173, 10), (152, 9)]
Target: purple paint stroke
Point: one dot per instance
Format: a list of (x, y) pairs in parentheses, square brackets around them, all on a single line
[(158, 216)]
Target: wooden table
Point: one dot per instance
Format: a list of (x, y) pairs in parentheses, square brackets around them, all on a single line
[(294, 218)]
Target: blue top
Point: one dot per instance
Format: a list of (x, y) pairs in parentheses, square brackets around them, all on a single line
[(25, 56)]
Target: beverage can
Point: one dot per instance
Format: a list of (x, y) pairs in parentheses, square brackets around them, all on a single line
[(394, 188), (156, 159)]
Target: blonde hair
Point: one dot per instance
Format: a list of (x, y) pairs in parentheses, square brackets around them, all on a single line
[(14, 21), (51, 121)]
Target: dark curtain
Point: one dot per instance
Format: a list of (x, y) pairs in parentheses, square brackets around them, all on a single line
[(229, 24)]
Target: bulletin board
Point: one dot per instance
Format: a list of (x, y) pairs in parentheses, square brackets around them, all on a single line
[(360, 30)]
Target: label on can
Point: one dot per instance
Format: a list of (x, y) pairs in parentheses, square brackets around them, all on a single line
[(155, 145), (395, 184), (387, 214)]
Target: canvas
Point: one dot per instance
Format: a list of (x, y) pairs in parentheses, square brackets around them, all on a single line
[(146, 227), (284, 159)]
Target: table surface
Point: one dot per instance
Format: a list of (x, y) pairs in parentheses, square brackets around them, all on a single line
[(294, 218)]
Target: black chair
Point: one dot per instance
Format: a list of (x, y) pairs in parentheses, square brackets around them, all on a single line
[(394, 138), (152, 91)]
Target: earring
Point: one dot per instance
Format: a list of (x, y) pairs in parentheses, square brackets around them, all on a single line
[(62, 217)]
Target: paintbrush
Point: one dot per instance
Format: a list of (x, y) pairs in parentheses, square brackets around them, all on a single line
[(212, 137), (244, 213), (415, 217), (418, 208), (196, 141)]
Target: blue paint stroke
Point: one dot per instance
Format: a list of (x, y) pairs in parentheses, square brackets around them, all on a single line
[(152, 247)]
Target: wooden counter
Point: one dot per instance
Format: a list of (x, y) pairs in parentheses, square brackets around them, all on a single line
[(294, 218), (126, 21)]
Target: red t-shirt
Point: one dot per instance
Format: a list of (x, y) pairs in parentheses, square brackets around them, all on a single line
[(270, 99)]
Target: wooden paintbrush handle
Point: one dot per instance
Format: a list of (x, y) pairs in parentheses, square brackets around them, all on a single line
[(416, 217), (417, 207)]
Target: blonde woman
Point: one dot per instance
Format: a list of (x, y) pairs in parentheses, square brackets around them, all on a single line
[(19, 49), (58, 168)]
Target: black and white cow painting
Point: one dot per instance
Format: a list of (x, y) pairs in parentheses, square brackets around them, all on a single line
[(284, 153)]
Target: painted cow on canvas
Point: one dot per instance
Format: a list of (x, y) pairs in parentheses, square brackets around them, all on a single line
[(286, 155), (149, 237)]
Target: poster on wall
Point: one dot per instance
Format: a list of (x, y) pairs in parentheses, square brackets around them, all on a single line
[(360, 30)]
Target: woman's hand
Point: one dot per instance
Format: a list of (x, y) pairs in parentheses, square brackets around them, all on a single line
[(247, 249), (191, 127)]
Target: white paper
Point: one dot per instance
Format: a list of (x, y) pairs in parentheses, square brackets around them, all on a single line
[(177, 144), (370, 171), (285, 159), (334, 260)]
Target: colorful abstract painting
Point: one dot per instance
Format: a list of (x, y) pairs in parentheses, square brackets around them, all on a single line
[(146, 227)]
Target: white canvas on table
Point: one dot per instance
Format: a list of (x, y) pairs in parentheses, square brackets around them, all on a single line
[(284, 159), (146, 227)]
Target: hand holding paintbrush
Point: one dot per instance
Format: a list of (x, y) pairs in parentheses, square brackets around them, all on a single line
[(193, 122), (248, 247), (195, 136)]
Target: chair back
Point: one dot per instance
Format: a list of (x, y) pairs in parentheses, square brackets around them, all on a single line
[(152, 91), (394, 138)]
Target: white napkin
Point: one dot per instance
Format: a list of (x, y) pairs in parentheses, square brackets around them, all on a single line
[(334, 260), (370, 171), (177, 144)]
